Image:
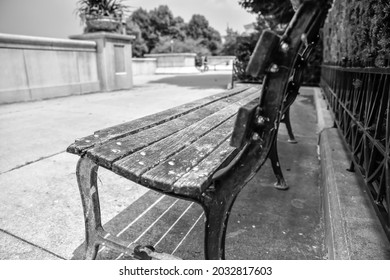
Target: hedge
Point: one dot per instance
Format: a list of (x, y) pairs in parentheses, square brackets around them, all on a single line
[(357, 33)]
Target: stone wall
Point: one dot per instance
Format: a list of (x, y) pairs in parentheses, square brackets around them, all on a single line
[(35, 68), (174, 63), (144, 66), (216, 63)]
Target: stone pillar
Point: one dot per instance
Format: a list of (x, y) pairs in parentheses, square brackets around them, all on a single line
[(114, 59)]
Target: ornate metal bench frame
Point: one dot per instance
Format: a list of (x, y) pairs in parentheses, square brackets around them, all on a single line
[(281, 59)]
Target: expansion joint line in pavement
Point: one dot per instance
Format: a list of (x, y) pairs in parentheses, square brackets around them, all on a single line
[(32, 244), (31, 162)]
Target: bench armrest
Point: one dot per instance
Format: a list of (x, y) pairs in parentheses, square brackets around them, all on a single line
[(243, 125)]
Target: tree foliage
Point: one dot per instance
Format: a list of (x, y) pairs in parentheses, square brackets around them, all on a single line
[(158, 31), (274, 15), (271, 14), (280, 11), (161, 20), (198, 28), (356, 31), (166, 45), (229, 46), (139, 24)]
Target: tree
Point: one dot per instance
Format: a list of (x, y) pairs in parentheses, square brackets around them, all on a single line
[(213, 40), (141, 18), (139, 45), (161, 19), (150, 27), (156, 30), (229, 46), (274, 15), (139, 24), (167, 45), (178, 29), (198, 28), (280, 11)]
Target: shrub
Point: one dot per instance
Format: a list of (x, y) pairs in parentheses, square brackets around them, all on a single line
[(357, 33)]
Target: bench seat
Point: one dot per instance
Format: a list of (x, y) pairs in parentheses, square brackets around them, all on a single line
[(207, 150), (176, 151)]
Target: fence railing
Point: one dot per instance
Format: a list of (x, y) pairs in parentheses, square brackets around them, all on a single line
[(360, 103)]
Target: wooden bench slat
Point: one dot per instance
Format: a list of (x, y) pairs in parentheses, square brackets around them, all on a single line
[(134, 165), (106, 154), (165, 174), (198, 178), (112, 151), (131, 127)]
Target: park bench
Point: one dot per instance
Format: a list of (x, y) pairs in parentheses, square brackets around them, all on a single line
[(204, 151)]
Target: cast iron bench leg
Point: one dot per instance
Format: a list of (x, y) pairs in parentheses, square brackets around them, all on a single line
[(286, 120), (86, 173), (273, 155), (217, 210)]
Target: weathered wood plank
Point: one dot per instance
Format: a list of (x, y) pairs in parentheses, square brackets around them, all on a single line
[(198, 178), (112, 151), (133, 166), (106, 154), (131, 127), (165, 174)]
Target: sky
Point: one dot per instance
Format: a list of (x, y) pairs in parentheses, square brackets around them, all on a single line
[(56, 18)]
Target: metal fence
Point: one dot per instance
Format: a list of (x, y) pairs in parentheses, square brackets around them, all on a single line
[(359, 100)]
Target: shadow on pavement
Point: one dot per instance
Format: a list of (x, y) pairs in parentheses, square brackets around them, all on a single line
[(198, 81), (167, 224)]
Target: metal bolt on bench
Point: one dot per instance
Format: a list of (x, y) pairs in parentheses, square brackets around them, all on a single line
[(204, 151)]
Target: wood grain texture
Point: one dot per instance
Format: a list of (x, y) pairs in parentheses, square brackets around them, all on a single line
[(134, 165), (198, 178), (112, 151), (167, 173), (132, 127)]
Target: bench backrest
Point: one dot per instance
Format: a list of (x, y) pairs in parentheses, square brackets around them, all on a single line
[(281, 60)]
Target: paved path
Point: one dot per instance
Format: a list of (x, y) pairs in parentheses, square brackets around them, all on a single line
[(40, 209)]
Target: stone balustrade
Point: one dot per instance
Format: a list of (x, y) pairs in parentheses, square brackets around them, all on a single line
[(34, 68)]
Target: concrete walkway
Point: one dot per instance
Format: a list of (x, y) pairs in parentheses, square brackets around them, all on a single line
[(40, 209)]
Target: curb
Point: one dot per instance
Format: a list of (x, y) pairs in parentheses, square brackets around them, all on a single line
[(334, 231), (352, 229)]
